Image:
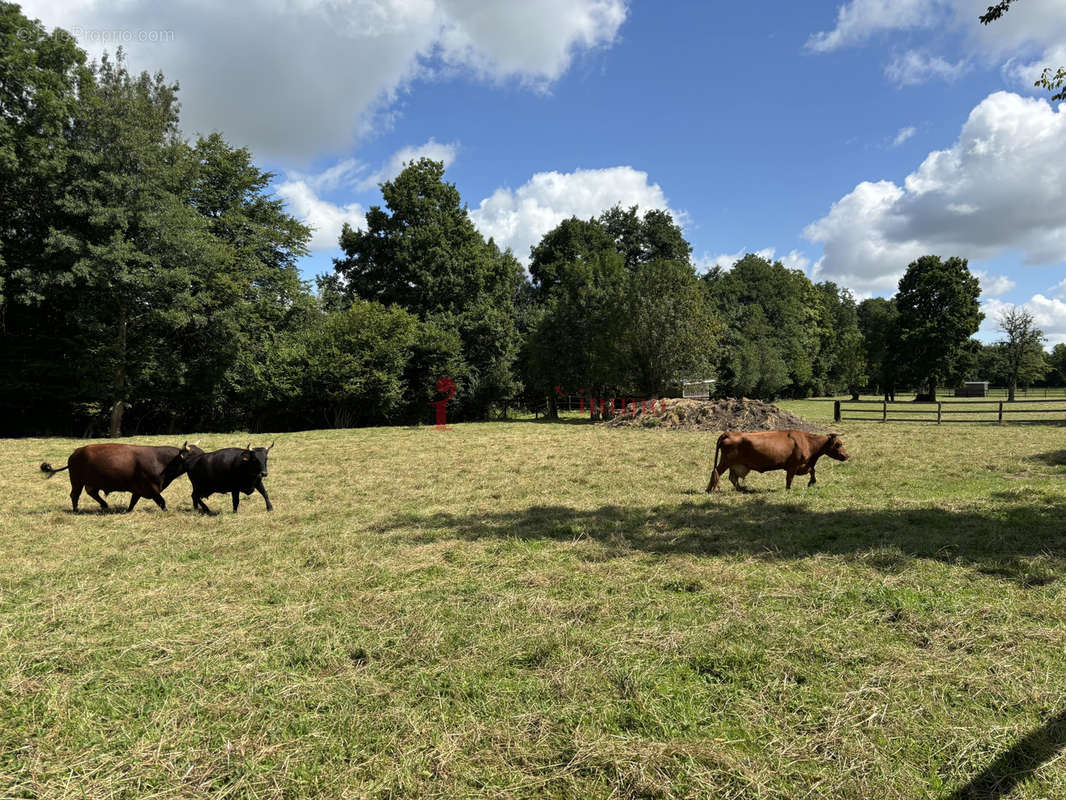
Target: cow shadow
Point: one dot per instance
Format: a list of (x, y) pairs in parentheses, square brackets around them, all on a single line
[(1022, 539), (1056, 458), (1016, 763)]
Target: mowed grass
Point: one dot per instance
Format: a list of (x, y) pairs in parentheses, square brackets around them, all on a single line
[(545, 610)]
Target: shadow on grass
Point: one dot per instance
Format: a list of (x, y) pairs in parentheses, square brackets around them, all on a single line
[(1021, 538), (1056, 458), (1015, 765)]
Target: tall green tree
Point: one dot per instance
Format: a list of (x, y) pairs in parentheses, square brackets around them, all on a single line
[(671, 329), (42, 77), (841, 360), (579, 342), (423, 253), (879, 325), (938, 313), (783, 332), (1023, 359)]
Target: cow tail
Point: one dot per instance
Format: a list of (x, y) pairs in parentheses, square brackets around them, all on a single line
[(49, 472), (714, 467)]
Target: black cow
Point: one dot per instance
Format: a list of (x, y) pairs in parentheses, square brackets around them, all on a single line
[(228, 470)]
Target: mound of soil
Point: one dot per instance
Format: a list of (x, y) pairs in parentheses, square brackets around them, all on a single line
[(730, 414)]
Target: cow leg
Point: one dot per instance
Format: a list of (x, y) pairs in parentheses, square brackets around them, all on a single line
[(133, 501), (159, 501), (736, 473), (236, 500), (199, 504), (95, 495), (789, 474), (75, 493), (811, 481), (259, 487)]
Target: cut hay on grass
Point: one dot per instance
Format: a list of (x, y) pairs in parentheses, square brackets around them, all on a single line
[(729, 414), (545, 610)]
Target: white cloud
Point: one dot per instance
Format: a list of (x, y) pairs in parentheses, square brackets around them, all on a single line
[(903, 135), (860, 19), (431, 149), (793, 260), (914, 67), (993, 285), (796, 260), (1024, 74), (1001, 186), (321, 71), (324, 217), (1049, 315), (1035, 24), (518, 218)]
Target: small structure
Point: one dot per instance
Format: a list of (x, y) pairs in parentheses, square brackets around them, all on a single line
[(973, 389), (697, 388)]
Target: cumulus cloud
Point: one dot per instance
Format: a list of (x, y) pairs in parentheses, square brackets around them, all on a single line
[(325, 218), (993, 285), (794, 260), (519, 218), (319, 69), (431, 149), (1049, 315), (1001, 186), (914, 67)]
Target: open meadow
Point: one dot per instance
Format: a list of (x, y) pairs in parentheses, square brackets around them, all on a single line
[(545, 609)]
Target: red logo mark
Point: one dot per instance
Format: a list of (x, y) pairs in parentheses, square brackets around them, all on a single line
[(444, 386)]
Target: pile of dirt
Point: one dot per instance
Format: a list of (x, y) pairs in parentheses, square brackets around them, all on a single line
[(730, 414)]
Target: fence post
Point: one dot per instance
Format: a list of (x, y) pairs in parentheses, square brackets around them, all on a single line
[(836, 411), (884, 411), (938, 407), (1000, 412)]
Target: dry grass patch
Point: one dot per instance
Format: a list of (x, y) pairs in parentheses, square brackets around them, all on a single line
[(545, 610)]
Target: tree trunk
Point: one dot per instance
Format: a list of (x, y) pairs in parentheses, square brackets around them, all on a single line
[(1010, 393), (553, 407), (119, 408)]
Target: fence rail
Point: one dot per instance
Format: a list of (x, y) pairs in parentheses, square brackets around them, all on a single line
[(997, 410)]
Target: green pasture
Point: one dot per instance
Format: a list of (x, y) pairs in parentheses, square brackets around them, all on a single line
[(545, 609)]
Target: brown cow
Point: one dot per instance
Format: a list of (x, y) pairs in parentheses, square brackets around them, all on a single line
[(794, 451), (145, 471)]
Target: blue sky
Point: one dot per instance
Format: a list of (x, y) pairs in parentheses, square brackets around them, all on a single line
[(845, 138)]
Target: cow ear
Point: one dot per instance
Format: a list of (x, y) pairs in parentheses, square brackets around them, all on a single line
[(832, 437)]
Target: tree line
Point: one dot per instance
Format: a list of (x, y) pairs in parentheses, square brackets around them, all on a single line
[(149, 283)]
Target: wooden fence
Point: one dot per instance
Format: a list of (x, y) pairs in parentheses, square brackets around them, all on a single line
[(996, 411)]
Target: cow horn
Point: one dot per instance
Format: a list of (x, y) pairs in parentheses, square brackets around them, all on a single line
[(272, 445), (249, 447), (186, 445), (197, 442)]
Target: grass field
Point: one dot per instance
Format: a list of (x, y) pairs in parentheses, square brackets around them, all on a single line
[(546, 610)]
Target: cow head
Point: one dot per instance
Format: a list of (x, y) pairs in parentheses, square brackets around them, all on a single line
[(179, 465), (255, 460), (834, 448)]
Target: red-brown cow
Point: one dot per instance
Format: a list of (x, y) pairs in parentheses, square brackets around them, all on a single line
[(145, 471), (796, 452)]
